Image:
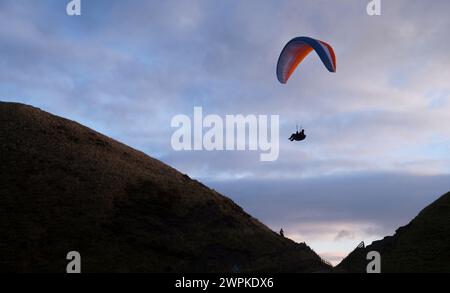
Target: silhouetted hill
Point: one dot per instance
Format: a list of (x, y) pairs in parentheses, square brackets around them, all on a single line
[(421, 246), (65, 187)]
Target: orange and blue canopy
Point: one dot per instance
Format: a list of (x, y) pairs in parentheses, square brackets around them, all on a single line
[(297, 49)]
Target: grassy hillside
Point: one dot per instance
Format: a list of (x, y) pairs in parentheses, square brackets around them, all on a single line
[(65, 187), (421, 246)]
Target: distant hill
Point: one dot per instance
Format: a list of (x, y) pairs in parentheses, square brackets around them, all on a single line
[(65, 187), (421, 246)]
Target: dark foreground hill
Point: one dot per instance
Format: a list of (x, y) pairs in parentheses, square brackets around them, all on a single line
[(421, 246), (64, 187)]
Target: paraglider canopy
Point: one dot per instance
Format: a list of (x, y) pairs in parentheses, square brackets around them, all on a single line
[(297, 49)]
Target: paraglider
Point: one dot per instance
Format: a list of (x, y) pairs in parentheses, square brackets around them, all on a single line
[(293, 54), (298, 136), (297, 49)]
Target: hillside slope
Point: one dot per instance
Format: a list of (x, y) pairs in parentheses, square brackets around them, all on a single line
[(65, 187), (421, 246)]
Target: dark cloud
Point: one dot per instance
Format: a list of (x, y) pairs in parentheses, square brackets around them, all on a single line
[(387, 200)]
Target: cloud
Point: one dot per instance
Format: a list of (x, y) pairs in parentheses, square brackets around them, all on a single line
[(344, 234)]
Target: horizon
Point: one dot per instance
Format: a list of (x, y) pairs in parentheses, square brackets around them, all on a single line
[(378, 146)]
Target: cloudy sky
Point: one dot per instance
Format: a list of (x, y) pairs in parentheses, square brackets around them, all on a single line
[(378, 147)]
